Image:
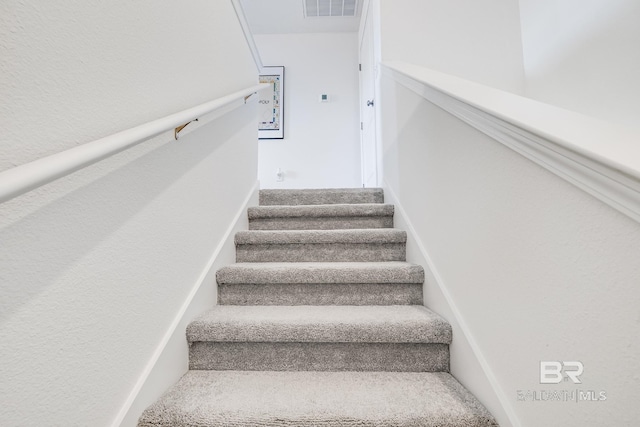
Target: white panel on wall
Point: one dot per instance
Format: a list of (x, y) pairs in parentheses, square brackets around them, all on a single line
[(321, 146)]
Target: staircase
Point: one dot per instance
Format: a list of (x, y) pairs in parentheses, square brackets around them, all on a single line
[(319, 323)]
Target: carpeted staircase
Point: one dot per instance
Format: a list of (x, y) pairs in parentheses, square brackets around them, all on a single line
[(319, 323)]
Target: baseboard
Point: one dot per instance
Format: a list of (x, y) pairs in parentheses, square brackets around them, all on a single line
[(468, 363), (170, 359)]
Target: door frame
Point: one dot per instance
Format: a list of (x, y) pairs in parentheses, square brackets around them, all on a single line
[(370, 21)]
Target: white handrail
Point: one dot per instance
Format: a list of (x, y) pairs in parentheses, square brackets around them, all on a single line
[(602, 158), (29, 176)]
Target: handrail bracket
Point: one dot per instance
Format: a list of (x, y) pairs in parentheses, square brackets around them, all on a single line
[(249, 96), (177, 130)]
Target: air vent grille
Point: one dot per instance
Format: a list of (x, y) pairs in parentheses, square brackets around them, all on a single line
[(321, 8)]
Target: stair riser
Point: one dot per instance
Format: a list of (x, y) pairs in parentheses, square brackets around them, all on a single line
[(321, 294), (266, 356), (321, 223), (321, 252), (317, 197)]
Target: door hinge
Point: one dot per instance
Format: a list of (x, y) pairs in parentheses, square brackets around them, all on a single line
[(361, 126), (359, 67)]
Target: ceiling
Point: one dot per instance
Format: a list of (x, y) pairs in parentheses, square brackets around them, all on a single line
[(287, 16)]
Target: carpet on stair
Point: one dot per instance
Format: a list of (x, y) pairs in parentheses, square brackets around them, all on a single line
[(319, 323), (325, 196), (337, 283), (318, 399)]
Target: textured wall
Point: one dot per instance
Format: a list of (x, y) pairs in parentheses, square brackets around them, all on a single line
[(476, 40), (538, 269), (321, 145), (72, 72), (95, 266), (584, 56)]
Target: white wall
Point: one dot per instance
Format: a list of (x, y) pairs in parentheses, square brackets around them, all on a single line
[(584, 56), (536, 268), (72, 72), (94, 267), (321, 145), (476, 40)]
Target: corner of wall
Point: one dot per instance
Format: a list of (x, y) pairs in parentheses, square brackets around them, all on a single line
[(247, 34), (170, 360), (468, 364)]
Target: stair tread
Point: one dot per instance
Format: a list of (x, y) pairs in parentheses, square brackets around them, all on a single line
[(332, 210), (236, 398), (391, 324), (356, 236), (320, 272), (320, 196)]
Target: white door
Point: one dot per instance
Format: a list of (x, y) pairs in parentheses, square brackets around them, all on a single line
[(367, 104)]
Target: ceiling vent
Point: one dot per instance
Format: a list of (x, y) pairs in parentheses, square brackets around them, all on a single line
[(321, 8)]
